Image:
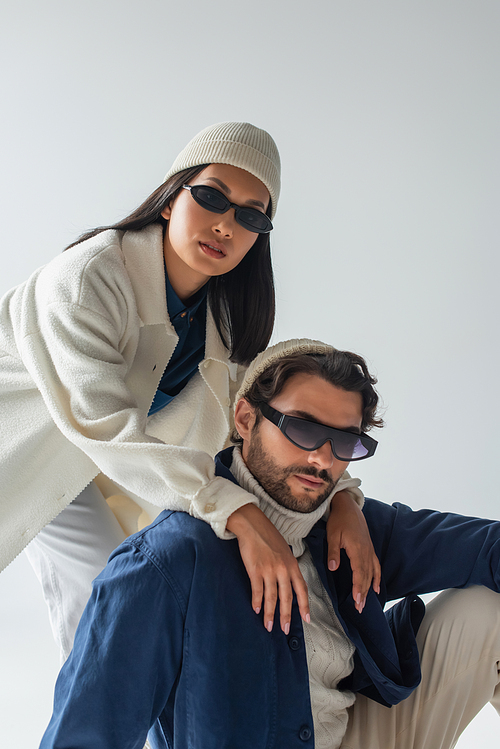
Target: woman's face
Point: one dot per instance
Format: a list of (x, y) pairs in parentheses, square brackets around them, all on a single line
[(199, 244)]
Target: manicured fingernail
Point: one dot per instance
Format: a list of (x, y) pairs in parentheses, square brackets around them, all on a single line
[(269, 626), (332, 565), (257, 609), (308, 618), (286, 628), (358, 598)]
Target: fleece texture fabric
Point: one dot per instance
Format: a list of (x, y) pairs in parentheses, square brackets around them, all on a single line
[(83, 345)]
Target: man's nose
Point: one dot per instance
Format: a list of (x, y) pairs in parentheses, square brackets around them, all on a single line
[(322, 457)]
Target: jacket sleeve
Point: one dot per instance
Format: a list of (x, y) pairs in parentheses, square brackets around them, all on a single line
[(425, 551), (79, 357), (125, 659)]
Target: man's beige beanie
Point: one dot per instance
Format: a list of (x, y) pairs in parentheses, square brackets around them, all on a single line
[(279, 351), (238, 144)]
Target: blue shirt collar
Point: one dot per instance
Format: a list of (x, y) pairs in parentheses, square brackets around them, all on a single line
[(175, 306)]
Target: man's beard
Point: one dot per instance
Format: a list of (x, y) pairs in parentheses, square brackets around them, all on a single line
[(272, 478)]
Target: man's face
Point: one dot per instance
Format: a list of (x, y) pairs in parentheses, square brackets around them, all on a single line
[(298, 479)]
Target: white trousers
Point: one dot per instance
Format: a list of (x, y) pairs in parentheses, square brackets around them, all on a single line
[(68, 554), (459, 646)]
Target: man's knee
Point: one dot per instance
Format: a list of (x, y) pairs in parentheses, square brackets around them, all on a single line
[(461, 625), (466, 607)]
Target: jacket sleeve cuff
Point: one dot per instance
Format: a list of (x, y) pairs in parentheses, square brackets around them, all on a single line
[(216, 501)]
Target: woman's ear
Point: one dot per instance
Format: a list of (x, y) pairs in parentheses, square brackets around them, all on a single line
[(167, 211), (244, 418)]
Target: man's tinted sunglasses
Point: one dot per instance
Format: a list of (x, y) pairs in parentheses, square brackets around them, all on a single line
[(215, 201), (310, 435)]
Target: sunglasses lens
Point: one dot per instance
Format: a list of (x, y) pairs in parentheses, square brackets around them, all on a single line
[(210, 199), (305, 434), (213, 200), (254, 220), (349, 447), (310, 436)]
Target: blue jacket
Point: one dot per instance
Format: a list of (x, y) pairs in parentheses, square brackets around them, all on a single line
[(169, 641)]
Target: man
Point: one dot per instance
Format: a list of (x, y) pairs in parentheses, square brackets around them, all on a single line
[(169, 642)]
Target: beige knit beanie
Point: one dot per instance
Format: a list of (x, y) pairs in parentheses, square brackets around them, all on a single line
[(238, 144), (279, 351)]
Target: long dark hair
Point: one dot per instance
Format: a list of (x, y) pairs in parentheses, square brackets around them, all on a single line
[(243, 300)]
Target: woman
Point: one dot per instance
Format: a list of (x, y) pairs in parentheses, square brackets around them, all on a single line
[(120, 361)]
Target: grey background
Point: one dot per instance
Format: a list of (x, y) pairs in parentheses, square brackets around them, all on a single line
[(387, 119)]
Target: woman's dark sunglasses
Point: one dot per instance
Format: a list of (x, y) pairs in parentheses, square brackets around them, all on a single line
[(215, 201), (310, 435)]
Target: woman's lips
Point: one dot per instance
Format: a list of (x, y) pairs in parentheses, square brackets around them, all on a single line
[(213, 250)]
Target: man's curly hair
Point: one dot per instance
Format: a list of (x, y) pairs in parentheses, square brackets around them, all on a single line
[(343, 369)]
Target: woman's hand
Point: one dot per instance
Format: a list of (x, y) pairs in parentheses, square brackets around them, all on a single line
[(347, 529), (271, 566)]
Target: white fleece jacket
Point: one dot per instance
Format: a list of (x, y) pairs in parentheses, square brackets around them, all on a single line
[(83, 345)]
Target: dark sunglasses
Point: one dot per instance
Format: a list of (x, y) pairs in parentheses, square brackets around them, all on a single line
[(215, 201), (310, 435)]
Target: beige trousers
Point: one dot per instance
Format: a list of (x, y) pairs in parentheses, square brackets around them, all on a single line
[(459, 645)]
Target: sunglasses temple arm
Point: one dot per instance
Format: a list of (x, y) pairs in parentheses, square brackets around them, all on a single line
[(270, 413)]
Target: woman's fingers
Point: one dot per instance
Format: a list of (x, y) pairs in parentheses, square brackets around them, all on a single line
[(273, 570), (279, 584), (346, 529), (377, 575), (365, 572), (361, 581), (270, 599), (257, 593), (333, 550), (300, 588)]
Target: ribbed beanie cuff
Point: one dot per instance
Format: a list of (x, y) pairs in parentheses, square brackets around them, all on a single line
[(279, 351), (238, 144)]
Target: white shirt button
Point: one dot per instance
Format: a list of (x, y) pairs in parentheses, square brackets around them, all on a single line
[(209, 507)]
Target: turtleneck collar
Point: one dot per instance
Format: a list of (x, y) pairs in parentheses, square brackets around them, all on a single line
[(293, 526)]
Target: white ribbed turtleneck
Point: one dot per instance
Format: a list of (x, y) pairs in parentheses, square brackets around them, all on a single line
[(293, 526)]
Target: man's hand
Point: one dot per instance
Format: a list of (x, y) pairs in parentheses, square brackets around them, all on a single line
[(271, 566), (346, 529)]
